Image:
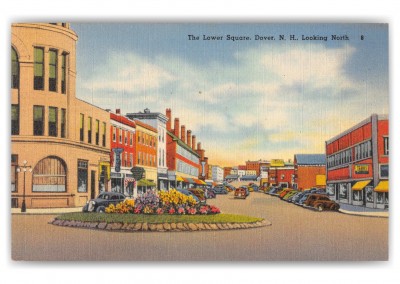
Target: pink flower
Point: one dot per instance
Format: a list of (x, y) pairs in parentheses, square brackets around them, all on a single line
[(160, 211), (171, 210), (181, 210)]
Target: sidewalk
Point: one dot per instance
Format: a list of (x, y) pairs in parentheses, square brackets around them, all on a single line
[(46, 210), (363, 211)]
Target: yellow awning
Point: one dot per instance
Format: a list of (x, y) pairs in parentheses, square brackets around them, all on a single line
[(360, 184), (383, 186), (178, 178)]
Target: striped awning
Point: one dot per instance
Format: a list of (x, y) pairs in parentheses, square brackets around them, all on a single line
[(383, 186), (179, 178), (145, 182), (360, 185)]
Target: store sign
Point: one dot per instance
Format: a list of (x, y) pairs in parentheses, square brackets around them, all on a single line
[(137, 173), (361, 169), (117, 158), (277, 163)]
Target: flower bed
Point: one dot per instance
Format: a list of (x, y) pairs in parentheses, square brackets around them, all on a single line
[(170, 202)]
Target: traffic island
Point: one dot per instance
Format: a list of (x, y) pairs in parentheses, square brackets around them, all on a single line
[(155, 223)]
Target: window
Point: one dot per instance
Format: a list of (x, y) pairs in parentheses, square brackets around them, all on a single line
[(53, 70), (82, 176), (104, 134), (14, 69), (53, 121), (97, 131), (138, 161), (131, 139), (138, 136), (63, 123), (386, 146), (131, 160), (383, 171), (114, 135), (126, 137), (49, 175), (14, 178), (89, 133), (81, 127), (38, 121), (64, 73), (14, 119), (38, 80), (120, 135)]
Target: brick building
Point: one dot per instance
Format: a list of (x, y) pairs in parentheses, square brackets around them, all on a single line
[(358, 164), (280, 173), (123, 153), (59, 146), (309, 171)]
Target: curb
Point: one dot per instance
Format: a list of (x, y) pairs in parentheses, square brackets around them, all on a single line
[(365, 214), (159, 227)]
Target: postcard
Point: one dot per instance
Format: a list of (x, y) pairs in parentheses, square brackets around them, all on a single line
[(199, 142)]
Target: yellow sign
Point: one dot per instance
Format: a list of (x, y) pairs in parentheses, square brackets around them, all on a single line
[(277, 163), (106, 167), (320, 180), (361, 169)]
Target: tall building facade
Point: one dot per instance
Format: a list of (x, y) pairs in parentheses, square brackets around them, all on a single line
[(358, 164), (159, 122), (59, 146), (123, 153)]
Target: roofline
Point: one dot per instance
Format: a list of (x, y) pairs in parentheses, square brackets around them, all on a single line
[(183, 144), (149, 115)]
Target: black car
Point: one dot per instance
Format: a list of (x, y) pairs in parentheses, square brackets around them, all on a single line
[(104, 199)]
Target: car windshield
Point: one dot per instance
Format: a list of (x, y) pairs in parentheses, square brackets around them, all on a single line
[(103, 196)]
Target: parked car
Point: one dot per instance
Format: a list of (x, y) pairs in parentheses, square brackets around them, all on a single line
[(101, 202), (301, 198), (294, 196), (263, 188), (189, 193), (199, 194), (284, 192), (277, 192), (289, 194), (209, 193), (274, 190), (220, 189), (246, 189), (230, 187), (241, 193), (253, 186), (320, 202)]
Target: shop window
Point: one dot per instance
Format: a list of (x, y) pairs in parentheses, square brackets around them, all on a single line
[(369, 194), (104, 134), (38, 121), (89, 132), (382, 197), (14, 119), (53, 121), (97, 134), (330, 189), (14, 69), (64, 73), (357, 195), (82, 176), (63, 123), (53, 70), (343, 191), (386, 146), (49, 175), (38, 80), (81, 127)]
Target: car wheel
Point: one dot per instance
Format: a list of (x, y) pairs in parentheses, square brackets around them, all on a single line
[(319, 207), (333, 207), (101, 209)]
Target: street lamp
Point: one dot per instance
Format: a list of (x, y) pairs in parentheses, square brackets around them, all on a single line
[(24, 168)]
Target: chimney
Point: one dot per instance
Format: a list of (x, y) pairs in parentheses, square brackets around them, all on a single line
[(168, 114), (194, 142), (189, 138), (176, 127), (118, 111), (183, 133), (199, 146)]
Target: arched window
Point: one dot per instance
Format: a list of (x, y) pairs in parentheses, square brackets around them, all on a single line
[(50, 175), (14, 69)]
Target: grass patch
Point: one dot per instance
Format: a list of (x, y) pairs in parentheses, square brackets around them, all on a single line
[(155, 219)]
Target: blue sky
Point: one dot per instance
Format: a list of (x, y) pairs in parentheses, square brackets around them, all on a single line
[(242, 99)]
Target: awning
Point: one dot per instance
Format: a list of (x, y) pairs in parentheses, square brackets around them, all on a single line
[(145, 182), (184, 179), (178, 178), (383, 186), (190, 180), (199, 181), (360, 185)]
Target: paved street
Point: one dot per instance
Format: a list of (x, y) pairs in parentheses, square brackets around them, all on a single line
[(295, 234)]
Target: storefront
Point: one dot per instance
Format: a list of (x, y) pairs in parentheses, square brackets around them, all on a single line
[(123, 182)]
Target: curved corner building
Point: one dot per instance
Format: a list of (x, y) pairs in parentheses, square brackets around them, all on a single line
[(59, 144)]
